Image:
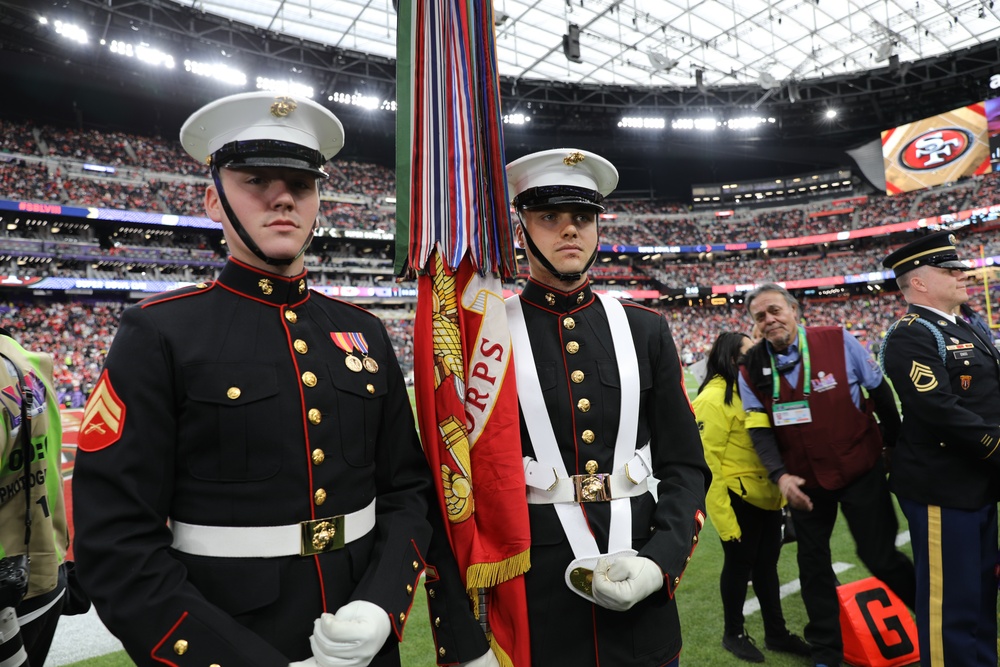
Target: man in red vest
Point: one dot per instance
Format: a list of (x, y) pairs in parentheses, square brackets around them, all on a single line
[(817, 436)]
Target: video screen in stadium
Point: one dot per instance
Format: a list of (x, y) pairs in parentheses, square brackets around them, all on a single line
[(935, 150), (993, 128)]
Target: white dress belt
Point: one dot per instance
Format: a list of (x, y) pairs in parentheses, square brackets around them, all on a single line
[(543, 440), (306, 538), (546, 487)]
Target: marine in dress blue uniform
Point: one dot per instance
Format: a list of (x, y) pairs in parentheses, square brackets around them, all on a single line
[(945, 465), (629, 614), (248, 466)]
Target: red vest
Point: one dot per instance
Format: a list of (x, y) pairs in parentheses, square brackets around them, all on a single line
[(841, 443)]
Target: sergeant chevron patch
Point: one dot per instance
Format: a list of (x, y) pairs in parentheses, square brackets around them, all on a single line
[(922, 377), (103, 417)]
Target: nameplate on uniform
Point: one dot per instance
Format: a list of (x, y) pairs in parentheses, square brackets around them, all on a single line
[(788, 414), (960, 346), (963, 354)]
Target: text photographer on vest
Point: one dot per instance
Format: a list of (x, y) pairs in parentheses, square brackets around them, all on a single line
[(603, 408), (945, 467), (817, 437), (32, 578)]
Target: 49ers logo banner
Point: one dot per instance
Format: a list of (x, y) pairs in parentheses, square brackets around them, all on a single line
[(936, 150), (103, 417)]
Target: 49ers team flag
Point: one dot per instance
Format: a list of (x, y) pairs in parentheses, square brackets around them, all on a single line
[(454, 232)]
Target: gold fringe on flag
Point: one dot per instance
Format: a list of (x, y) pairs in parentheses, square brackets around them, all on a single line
[(488, 575)]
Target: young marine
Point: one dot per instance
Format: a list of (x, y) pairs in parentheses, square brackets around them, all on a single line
[(603, 412), (250, 490)]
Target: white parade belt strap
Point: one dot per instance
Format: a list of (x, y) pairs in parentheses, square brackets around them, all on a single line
[(545, 487), (306, 538), (579, 572)]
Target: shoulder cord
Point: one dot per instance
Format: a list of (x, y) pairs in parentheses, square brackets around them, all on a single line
[(25, 436), (930, 326)]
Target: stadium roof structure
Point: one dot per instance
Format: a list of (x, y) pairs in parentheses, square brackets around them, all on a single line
[(879, 63), (662, 42)]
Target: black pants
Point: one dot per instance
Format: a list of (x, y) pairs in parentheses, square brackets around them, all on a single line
[(754, 556), (871, 519)]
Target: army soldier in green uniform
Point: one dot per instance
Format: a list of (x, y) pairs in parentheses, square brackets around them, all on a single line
[(250, 490), (945, 465)]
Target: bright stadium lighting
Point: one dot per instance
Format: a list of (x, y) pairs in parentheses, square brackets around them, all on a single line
[(516, 119), (831, 113), (643, 123), (694, 124), (42, 20), (370, 102), (216, 71), (285, 87), (747, 122), (143, 52), (71, 31)]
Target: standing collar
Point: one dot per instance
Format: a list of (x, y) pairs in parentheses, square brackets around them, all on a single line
[(555, 300), (262, 286)]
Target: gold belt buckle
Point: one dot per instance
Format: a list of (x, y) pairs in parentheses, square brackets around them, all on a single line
[(592, 488), (321, 535)]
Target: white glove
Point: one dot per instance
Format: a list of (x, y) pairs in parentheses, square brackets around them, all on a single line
[(351, 637), (309, 662), (485, 660), (621, 584)]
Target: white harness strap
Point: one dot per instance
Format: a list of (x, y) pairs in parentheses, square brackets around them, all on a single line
[(543, 440)]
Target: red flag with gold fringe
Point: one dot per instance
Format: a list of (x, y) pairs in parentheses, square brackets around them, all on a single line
[(454, 232)]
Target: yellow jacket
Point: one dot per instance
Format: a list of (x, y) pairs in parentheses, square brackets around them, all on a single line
[(732, 458)]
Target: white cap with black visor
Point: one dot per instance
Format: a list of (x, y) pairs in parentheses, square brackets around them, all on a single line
[(261, 130), (560, 177)]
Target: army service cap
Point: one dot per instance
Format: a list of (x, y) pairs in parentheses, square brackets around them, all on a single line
[(560, 176), (936, 249), (261, 129)]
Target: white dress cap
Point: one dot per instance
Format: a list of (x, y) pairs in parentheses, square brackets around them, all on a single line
[(262, 116), (569, 167)]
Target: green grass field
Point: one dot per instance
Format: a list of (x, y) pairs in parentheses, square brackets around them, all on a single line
[(698, 601)]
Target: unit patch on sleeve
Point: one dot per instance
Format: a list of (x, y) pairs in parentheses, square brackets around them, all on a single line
[(103, 417)]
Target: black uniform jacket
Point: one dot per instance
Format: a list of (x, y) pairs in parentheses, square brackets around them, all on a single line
[(237, 409), (947, 453), (570, 332)]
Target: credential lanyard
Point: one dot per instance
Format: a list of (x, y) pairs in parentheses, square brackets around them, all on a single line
[(803, 358)]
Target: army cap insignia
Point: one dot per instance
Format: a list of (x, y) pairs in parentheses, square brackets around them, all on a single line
[(574, 158)]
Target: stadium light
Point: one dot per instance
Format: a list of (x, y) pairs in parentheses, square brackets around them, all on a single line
[(748, 122), (216, 71), (285, 87), (516, 119), (707, 124), (831, 113), (143, 52), (642, 123), (356, 99), (69, 31)]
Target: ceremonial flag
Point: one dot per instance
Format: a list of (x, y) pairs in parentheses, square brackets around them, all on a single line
[(454, 233)]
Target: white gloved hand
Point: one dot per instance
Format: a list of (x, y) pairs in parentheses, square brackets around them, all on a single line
[(351, 637), (485, 660), (620, 584)]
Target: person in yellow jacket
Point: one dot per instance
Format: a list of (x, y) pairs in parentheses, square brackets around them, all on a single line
[(743, 505)]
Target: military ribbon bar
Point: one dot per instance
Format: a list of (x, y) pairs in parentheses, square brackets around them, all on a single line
[(343, 340), (359, 341)]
